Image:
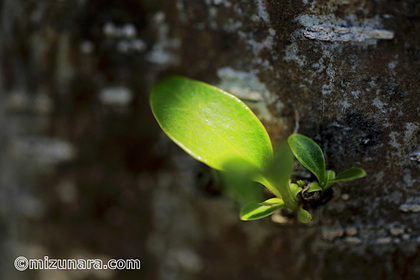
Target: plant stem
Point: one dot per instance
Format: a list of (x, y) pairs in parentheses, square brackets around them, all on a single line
[(283, 192)]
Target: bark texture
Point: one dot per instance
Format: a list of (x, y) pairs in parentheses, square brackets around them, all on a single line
[(85, 172)]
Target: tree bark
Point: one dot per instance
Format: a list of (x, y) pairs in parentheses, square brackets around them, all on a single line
[(85, 170)]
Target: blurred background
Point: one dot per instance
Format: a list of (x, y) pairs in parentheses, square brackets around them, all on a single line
[(85, 171)]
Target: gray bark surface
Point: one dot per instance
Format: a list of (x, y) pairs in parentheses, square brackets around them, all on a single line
[(85, 171)]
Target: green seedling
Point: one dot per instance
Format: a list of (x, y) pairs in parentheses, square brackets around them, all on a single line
[(219, 130), (310, 155)]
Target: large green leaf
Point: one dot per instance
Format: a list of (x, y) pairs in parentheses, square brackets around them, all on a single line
[(210, 124), (309, 154), (255, 210)]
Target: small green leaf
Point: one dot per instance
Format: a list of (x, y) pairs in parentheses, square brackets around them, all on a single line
[(255, 210), (350, 174), (304, 215), (309, 154), (210, 124), (279, 172), (301, 183), (295, 189), (330, 178), (330, 175), (314, 187)]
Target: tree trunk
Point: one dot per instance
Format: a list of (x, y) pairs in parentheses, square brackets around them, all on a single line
[(85, 172)]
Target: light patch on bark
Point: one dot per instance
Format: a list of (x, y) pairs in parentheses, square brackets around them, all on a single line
[(345, 34)]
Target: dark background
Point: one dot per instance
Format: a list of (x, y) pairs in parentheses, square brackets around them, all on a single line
[(85, 171)]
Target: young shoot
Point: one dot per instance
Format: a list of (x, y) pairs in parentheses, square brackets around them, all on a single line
[(219, 130)]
